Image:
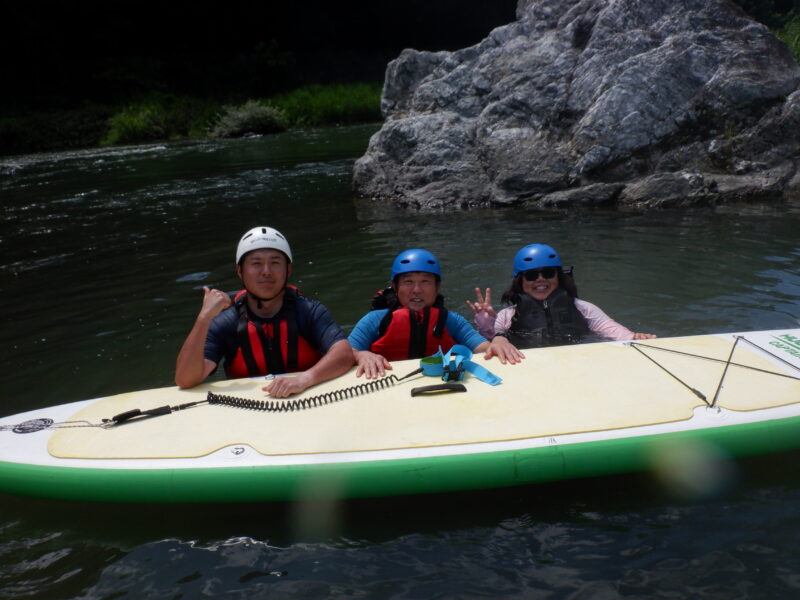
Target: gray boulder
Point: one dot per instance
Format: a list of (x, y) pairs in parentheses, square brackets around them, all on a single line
[(588, 102)]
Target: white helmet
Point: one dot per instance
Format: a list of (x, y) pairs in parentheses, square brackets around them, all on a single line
[(262, 237)]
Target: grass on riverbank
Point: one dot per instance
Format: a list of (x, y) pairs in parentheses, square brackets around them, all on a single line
[(343, 104), (160, 116), (310, 106), (790, 34)]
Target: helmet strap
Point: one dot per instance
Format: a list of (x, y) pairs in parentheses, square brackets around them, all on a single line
[(260, 300)]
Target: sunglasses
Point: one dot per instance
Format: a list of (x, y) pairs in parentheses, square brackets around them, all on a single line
[(546, 272)]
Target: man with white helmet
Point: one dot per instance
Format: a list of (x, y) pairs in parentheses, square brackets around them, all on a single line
[(268, 328)]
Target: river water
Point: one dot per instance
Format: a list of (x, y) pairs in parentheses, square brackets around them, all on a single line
[(104, 255)]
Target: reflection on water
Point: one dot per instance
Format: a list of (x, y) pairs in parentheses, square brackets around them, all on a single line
[(105, 252), (597, 538)]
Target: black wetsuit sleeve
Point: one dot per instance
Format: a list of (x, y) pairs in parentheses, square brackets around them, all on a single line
[(316, 324), (221, 338)]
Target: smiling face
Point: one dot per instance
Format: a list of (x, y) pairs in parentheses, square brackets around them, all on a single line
[(416, 290), (540, 288), (264, 273)]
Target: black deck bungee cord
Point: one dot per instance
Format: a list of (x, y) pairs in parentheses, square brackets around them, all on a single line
[(727, 362), (725, 370), (635, 345), (775, 356), (697, 393)]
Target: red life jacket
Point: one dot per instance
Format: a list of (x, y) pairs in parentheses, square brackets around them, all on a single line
[(270, 347), (412, 334)]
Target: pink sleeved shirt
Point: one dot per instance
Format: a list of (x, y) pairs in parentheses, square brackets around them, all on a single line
[(598, 321)]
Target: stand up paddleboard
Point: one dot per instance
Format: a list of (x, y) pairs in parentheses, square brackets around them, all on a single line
[(564, 412)]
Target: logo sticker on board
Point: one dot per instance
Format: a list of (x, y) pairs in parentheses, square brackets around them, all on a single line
[(788, 343)]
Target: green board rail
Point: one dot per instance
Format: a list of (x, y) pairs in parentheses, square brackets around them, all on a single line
[(391, 477)]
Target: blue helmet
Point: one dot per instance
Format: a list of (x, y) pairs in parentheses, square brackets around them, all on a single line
[(535, 256), (415, 260)]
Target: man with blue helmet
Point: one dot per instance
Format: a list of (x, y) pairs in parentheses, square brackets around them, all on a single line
[(545, 309), (409, 320)]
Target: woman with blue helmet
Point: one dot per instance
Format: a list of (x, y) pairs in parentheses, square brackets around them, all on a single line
[(409, 319), (545, 309)]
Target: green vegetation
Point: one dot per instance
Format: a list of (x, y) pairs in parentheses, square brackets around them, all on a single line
[(772, 13), (789, 32), (159, 116), (165, 117), (252, 117), (316, 105)]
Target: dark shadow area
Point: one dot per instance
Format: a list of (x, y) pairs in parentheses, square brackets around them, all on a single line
[(65, 55)]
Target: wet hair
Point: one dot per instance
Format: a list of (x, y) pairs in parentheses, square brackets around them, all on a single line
[(565, 280), (387, 298)]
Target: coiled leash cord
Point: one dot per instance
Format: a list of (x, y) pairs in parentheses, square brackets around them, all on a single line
[(274, 406), (450, 366), (277, 406)]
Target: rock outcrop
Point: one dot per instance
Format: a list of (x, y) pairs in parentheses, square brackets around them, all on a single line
[(589, 102)]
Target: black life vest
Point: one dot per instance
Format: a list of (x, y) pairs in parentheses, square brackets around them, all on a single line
[(552, 322), (270, 345), (387, 298)]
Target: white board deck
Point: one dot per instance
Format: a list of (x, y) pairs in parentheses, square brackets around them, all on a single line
[(556, 397)]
